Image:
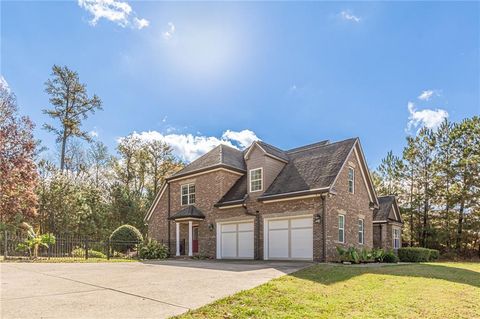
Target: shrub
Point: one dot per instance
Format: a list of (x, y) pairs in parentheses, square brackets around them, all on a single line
[(350, 254), (151, 249), (80, 253), (378, 255), (125, 238), (416, 254), (434, 254), (390, 257)]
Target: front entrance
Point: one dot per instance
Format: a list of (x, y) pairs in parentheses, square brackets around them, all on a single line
[(195, 239)]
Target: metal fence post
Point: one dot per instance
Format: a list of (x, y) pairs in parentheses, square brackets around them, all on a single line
[(86, 248), (5, 250), (108, 249)]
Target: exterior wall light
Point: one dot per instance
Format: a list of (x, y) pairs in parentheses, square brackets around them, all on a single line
[(211, 226)]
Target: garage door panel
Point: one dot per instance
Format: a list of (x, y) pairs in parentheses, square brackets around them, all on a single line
[(236, 240), (289, 238), (229, 245), (304, 222), (229, 227), (245, 245), (277, 224), (245, 227), (278, 244), (301, 243)]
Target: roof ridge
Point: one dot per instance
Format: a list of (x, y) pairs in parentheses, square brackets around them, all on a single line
[(317, 145), (272, 146)]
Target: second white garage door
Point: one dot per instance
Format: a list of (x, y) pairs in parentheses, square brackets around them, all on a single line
[(289, 238), (235, 240)]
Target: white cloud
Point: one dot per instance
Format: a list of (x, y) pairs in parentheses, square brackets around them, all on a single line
[(113, 10), (4, 83), (428, 94), (349, 16), (428, 118), (93, 133), (189, 147), (167, 35), (140, 23), (243, 138)]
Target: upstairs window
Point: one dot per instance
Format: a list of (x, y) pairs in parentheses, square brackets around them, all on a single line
[(188, 194), (361, 231), (341, 228), (351, 180), (396, 238), (256, 176)]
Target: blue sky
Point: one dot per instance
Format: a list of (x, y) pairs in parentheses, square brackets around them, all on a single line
[(290, 73)]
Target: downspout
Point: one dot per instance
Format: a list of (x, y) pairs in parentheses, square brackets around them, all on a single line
[(324, 228)]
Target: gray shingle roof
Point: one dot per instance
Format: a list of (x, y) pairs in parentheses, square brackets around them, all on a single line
[(311, 167), (385, 210), (188, 212), (238, 192), (272, 150), (222, 155)]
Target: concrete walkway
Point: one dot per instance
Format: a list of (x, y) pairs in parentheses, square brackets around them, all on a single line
[(126, 290)]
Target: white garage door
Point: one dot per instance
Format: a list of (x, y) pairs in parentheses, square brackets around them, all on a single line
[(235, 240), (290, 238)]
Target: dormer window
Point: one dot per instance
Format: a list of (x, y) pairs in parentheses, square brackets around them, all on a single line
[(351, 180), (188, 194), (256, 176)]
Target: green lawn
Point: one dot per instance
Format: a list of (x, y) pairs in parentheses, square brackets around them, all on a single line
[(431, 290)]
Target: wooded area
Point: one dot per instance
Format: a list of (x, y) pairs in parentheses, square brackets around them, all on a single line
[(91, 192), (437, 183)]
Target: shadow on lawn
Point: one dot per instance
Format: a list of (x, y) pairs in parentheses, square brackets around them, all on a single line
[(331, 274)]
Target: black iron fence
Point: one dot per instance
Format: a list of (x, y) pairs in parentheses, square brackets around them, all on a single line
[(15, 246)]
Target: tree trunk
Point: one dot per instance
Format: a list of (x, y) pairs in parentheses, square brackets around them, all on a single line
[(411, 210), (64, 144), (458, 243)]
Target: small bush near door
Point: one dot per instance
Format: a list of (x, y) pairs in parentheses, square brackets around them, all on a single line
[(151, 249), (417, 254)]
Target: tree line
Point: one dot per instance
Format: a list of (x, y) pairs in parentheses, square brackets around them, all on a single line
[(90, 192), (437, 183)]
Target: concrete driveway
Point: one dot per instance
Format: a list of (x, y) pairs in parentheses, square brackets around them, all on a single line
[(127, 290)]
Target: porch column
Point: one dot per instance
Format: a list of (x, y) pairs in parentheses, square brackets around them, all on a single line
[(178, 239), (190, 239)]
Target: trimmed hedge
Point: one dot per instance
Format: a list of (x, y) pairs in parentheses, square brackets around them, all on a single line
[(417, 254), (80, 253), (390, 257), (125, 238)]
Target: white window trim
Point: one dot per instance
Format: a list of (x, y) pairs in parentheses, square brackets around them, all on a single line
[(393, 235), (343, 228), (250, 179), (363, 231), (353, 181), (188, 194)]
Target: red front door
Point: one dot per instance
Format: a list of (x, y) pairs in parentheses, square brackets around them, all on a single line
[(195, 239)]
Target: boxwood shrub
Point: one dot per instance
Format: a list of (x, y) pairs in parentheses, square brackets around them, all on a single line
[(80, 253), (125, 238), (417, 254)]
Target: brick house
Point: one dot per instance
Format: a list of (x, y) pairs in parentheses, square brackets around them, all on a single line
[(267, 203), (387, 224)]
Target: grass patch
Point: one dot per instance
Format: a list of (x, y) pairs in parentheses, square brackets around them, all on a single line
[(430, 290)]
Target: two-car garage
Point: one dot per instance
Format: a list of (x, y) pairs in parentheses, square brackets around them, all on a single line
[(288, 238)]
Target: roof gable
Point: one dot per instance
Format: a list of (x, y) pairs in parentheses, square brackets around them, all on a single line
[(312, 167), (269, 150), (387, 210), (222, 155)]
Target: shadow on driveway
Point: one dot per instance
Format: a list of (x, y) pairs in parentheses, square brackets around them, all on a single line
[(286, 267)]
